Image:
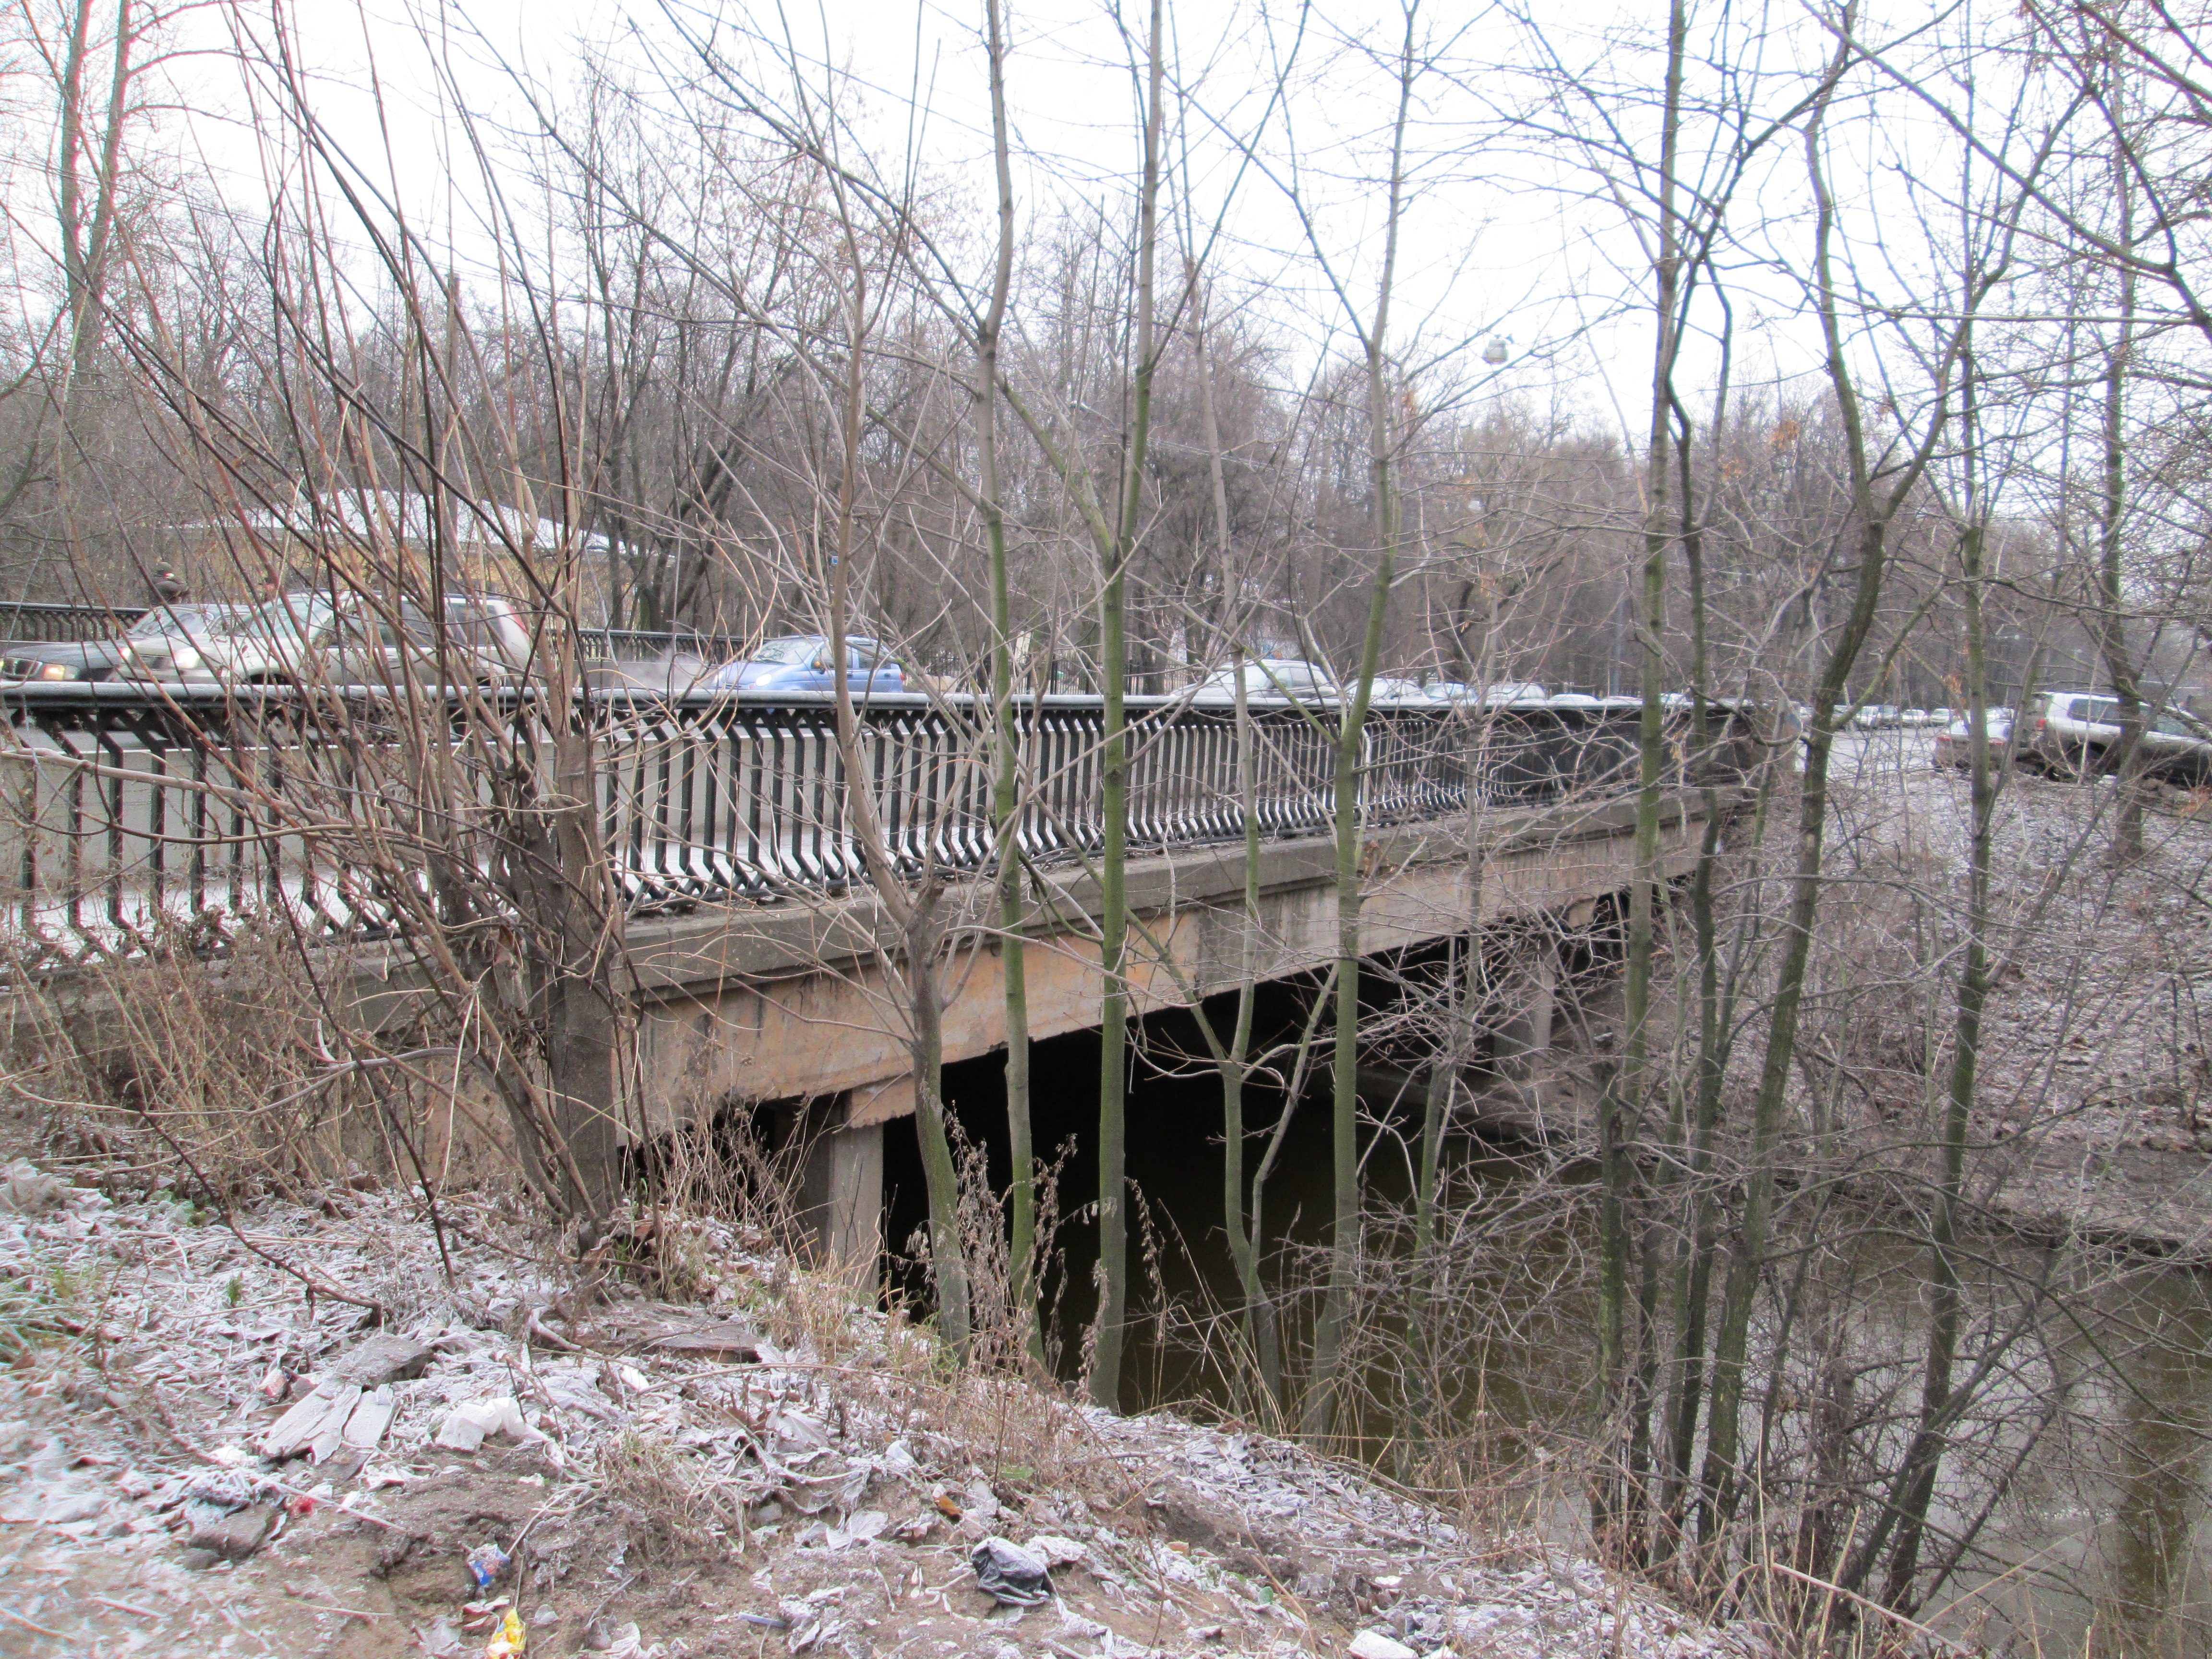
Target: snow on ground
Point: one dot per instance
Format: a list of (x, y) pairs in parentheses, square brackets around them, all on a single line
[(776, 1469)]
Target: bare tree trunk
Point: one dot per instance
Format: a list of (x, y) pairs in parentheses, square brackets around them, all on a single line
[(1351, 740), (1113, 922), (1005, 731), (89, 206), (1692, 1143), (1618, 1503), (1722, 1440), (1914, 1487), (915, 909), (1234, 1062), (2110, 625)]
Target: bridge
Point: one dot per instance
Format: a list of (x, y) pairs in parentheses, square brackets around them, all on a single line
[(763, 965)]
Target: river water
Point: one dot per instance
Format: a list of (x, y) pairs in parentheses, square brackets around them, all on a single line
[(2101, 1543)]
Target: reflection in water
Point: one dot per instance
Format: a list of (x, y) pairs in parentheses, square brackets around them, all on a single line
[(2094, 1429), (2154, 1539)]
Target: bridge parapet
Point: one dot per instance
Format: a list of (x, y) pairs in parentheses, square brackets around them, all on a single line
[(139, 814)]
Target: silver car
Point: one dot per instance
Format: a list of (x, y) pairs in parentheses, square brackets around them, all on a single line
[(2078, 734), (319, 638), (1272, 679)]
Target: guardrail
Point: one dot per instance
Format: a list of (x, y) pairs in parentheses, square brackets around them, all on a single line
[(644, 645), (63, 624), (57, 623), (131, 816)]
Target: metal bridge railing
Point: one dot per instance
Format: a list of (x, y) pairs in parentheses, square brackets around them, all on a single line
[(56, 624), (644, 645), (63, 624), (129, 814)]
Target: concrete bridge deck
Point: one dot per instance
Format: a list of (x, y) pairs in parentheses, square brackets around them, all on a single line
[(777, 1003)]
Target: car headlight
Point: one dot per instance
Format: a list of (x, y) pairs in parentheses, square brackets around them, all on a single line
[(56, 670), (185, 657)]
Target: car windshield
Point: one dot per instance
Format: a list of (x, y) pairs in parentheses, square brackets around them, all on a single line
[(289, 617), (164, 620), (796, 652)]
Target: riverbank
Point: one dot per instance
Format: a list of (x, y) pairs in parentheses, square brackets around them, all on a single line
[(2094, 1110), (770, 1466), (2093, 1116)]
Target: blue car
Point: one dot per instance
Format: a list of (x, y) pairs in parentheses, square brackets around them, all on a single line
[(800, 662)]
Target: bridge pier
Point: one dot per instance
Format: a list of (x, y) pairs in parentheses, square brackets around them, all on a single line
[(841, 1189), (1519, 1041)]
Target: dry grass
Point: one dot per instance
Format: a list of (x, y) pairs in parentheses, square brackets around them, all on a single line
[(236, 1076), (674, 1506)]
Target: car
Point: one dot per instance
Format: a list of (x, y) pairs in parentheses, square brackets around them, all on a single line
[(101, 659), (348, 639), (798, 664), (1914, 718), (1498, 691), (2078, 733), (1390, 692), (1954, 744), (1271, 679)]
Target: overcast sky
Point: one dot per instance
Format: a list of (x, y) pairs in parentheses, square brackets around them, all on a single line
[(1493, 247), (1508, 235)]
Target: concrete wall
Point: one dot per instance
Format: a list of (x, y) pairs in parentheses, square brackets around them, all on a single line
[(772, 1002)]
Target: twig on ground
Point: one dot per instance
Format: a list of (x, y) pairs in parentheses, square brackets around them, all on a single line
[(123, 1607), (351, 1612), (17, 1619)]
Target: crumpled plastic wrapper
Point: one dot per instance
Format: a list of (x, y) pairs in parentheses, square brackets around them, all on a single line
[(1011, 1575)]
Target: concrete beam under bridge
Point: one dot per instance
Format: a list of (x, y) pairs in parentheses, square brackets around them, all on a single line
[(806, 999)]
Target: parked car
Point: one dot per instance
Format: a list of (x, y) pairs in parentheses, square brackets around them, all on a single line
[(800, 663), (101, 660), (328, 638), (1954, 744), (2077, 733), (1390, 692), (1272, 679), (1498, 691)]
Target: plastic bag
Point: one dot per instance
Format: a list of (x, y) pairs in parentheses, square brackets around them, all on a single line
[(1010, 1574)]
